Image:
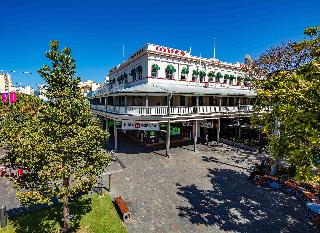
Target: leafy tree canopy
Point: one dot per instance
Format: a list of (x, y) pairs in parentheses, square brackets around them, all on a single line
[(292, 94), (58, 142)]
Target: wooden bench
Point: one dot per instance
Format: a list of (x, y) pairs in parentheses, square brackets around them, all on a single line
[(123, 208)]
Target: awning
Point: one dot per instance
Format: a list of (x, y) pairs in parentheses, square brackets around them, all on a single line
[(163, 89)]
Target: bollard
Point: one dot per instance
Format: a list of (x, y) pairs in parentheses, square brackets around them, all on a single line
[(3, 217), (109, 182)]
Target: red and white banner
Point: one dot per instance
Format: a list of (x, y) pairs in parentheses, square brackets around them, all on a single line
[(132, 125)]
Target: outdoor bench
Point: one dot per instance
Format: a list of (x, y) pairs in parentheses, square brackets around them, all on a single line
[(123, 208)]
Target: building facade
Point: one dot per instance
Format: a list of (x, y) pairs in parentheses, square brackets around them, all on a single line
[(163, 95), (87, 87), (5, 82), (28, 90)]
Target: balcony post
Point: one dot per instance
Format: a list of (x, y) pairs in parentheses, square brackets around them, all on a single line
[(218, 131), (195, 136), (168, 125), (115, 132), (197, 103), (238, 124), (107, 129), (125, 103), (147, 105)]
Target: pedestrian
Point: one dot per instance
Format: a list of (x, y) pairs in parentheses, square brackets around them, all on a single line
[(207, 139)]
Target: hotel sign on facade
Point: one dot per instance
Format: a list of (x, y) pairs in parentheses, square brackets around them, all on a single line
[(171, 51), (131, 125)]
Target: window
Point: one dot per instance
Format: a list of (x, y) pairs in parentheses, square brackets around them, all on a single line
[(200, 100), (139, 69), (169, 74), (202, 75), (182, 100), (212, 76), (154, 70), (133, 74), (184, 73), (210, 100), (170, 70), (195, 75), (226, 78)]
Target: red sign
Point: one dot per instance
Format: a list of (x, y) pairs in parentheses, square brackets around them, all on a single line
[(137, 125), (172, 51)]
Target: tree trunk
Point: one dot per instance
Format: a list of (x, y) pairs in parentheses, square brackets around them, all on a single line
[(65, 206)]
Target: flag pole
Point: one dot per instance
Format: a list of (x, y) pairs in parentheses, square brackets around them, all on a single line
[(214, 48)]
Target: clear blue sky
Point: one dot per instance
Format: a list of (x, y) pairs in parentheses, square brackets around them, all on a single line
[(95, 30)]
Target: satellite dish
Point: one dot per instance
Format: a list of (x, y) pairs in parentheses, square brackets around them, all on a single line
[(249, 59)]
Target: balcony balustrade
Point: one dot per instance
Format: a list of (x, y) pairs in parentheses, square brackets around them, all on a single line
[(179, 110)]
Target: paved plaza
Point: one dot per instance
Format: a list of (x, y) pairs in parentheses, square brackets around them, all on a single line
[(206, 191)]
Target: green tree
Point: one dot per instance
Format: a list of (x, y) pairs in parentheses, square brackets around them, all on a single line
[(59, 141), (292, 94)]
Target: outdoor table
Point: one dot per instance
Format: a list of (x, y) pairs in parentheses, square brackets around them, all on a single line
[(314, 207)]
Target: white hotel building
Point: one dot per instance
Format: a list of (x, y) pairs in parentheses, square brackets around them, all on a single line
[(160, 89)]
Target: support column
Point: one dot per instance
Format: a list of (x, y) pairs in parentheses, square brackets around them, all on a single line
[(168, 138), (195, 136), (238, 125), (220, 102), (115, 132), (125, 103), (107, 127), (218, 130), (168, 125), (3, 217), (197, 103), (147, 104)]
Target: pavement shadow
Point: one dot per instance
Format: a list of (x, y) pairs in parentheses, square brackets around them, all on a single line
[(45, 220), (214, 160), (233, 204)]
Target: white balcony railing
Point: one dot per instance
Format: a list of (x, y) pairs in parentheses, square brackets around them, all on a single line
[(179, 110)]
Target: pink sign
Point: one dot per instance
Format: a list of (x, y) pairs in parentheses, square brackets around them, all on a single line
[(4, 97), (13, 97)]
